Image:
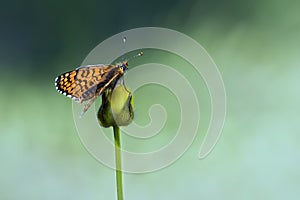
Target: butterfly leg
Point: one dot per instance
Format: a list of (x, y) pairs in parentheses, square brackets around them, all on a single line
[(88, 105)]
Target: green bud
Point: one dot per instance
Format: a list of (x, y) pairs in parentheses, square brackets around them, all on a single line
[(116, 108)]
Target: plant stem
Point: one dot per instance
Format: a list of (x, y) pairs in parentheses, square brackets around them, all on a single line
[(118, 162)]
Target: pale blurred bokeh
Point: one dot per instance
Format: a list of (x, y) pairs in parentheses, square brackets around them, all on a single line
[(255, 44)]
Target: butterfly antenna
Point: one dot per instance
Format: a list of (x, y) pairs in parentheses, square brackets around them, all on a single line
[(124, 47), (137, 55)]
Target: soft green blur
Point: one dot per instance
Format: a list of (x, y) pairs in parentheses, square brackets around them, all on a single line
[(255, 44)]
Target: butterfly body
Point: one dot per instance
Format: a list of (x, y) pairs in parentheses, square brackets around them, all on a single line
[(86, 83)]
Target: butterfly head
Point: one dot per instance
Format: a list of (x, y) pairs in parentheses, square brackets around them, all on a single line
[(123, 66)]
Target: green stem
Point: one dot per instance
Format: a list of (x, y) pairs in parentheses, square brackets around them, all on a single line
[(118, 162)]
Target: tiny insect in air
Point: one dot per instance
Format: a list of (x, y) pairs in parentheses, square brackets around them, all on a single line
[(86, 83)]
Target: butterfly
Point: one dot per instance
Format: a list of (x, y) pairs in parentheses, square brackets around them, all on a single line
[(86, 83)]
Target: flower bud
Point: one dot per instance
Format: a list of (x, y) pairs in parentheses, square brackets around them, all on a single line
[(116, 108)]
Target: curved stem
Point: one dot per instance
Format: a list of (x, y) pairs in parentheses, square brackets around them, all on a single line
[(118, 162)]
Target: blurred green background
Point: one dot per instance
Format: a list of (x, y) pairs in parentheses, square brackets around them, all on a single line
[(256, 47)]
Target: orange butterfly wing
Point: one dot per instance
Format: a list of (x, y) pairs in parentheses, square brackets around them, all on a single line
[(83, 83)]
